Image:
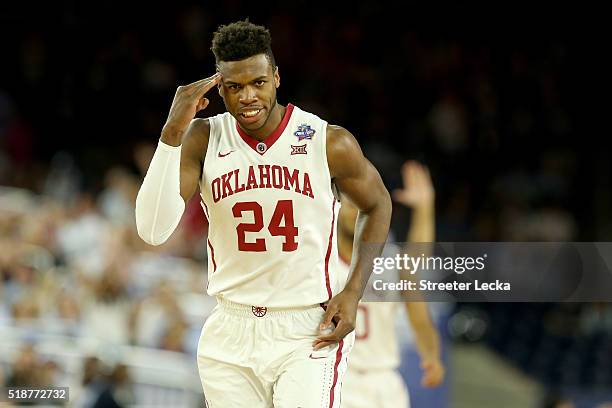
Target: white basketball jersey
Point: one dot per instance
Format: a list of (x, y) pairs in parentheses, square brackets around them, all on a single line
[(272, 213), (376, 345)]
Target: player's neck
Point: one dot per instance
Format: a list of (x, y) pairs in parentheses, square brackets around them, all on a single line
[(345, 247), (273, 122)]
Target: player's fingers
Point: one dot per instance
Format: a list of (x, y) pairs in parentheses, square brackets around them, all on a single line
[(403, 197), (199, 88), (420, 178), (417, 171), (399, 195), (207, 85), (328, 316), (423, 175), (204, 81), (338, 334), (413, 171), (333, 337), (427, 382), (425, 171), (322, 344), (432, 376), (430, 381), (405, 173), (319, 341)]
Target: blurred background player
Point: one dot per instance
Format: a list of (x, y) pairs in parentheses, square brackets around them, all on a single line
[(372, 379)]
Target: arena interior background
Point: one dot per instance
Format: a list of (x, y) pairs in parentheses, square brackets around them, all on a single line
[(489, 106)]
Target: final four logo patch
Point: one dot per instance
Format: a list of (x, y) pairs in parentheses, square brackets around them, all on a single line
[(304, 132)]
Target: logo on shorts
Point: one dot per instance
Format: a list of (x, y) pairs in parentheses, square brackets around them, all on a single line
[(304, 132), (259, 311), (298, 149)]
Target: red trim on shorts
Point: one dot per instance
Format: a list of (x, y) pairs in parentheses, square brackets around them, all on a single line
[(338, 359), (329, 248), (273, 137)]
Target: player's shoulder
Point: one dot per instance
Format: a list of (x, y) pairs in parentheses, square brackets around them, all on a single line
[(344, 156), (340, 140), (337, 132)]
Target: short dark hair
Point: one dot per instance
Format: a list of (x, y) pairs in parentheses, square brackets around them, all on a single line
[(241, 40)]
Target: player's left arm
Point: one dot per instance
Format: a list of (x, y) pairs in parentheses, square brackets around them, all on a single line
[(418, 194), (427, 341), (358, 179)]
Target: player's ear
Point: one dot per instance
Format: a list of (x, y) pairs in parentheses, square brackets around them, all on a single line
[(276, 77)]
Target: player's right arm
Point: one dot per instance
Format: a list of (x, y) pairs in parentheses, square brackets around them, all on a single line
[(174, 171)]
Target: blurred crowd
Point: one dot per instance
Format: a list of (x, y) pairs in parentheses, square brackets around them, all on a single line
[(88, 88), (73, 266), (76, 264)]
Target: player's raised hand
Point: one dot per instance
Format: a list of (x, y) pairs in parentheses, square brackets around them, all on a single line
[(342, 311), (188, 100), (433, 373), (418, 190)]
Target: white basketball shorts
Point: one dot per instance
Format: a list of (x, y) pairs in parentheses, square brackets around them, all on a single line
[(254, 357), (374, 389)]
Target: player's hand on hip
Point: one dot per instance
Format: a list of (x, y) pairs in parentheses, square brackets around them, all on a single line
[(417, 190), (433, 373), (189, 100), (341, 311)]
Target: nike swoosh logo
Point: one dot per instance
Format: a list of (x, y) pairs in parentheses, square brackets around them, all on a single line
[(316, 358), (223, 155)]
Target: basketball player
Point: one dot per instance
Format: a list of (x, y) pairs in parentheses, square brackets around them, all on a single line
[(372, 380), (268, 176)]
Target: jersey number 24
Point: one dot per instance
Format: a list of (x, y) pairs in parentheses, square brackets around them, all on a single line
[(282, 213)]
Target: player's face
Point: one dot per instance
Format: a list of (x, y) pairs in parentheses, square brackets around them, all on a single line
[(249, 90)]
